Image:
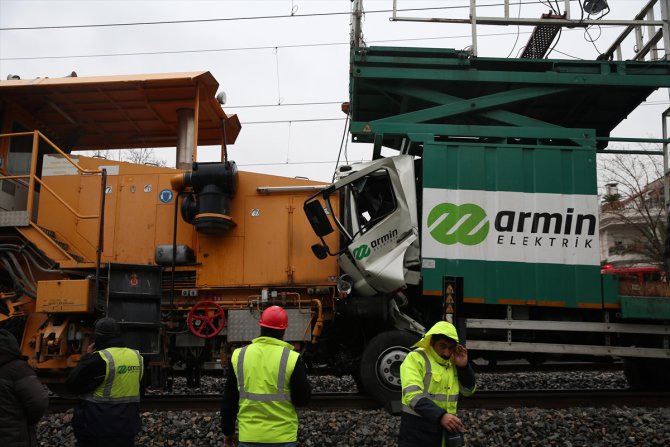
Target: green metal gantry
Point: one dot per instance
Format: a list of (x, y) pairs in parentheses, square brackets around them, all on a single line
[(403, 97)]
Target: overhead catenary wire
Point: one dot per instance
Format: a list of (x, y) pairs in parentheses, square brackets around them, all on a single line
[(309, 120), (281, 163), (339, 154), (257, 48), (518, 32), (228, 19)]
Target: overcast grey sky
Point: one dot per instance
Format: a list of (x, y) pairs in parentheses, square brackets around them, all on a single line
[(266, 53)]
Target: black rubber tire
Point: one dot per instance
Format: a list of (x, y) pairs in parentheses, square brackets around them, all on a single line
[(647, 374), (390, 346)]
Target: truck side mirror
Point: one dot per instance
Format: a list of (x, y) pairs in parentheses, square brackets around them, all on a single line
[(318, 219), (319, 251)]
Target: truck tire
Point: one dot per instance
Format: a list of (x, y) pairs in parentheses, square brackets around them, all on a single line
[(380, 364), (647, 374)]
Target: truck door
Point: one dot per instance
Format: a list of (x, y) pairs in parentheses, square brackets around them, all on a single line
[(378, 225)]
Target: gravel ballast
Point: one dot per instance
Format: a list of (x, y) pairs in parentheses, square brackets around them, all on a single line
[(597, 427)]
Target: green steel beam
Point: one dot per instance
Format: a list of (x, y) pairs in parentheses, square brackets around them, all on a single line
[(502, 116), (481, 103), (661, 79), (586, 137), (635, 140), (435, 64), (627, 152), (377, 146)]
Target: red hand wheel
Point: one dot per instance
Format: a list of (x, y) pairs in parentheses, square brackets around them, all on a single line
[(206, 319)]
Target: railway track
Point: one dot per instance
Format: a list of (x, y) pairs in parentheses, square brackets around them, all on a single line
[(214, 369), (482, 399), (548, 367), (212, 402)]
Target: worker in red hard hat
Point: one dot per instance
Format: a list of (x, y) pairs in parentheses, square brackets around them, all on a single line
[(266, 380)]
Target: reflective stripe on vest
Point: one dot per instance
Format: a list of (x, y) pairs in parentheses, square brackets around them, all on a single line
[(122, 377), (450, 398), (279, 396), (263, 370)]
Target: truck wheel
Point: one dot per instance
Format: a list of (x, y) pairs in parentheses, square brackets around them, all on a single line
[(647, 374), (380, 364)]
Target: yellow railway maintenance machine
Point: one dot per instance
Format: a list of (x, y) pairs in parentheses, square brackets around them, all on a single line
[(185, 259)]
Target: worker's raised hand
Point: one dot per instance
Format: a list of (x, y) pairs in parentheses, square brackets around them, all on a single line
[(90, 348), (451, 423), (461, 356)]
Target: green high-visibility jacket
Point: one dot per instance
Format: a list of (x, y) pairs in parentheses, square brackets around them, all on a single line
[(426, 374), (263, 370)]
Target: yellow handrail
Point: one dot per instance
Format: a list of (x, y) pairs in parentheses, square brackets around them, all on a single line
[(33, 178), (56, 148), (80, 216)]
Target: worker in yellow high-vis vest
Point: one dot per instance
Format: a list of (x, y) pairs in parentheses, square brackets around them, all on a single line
[(107, 380), (432, 377), (265, 381)]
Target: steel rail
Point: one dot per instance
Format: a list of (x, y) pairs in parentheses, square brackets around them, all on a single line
[(212, 402), (481, 399)]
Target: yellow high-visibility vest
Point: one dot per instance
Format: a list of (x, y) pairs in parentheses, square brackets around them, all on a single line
[(263, 371), (121, 384)]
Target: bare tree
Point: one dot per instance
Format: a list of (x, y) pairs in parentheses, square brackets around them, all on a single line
[(107, 154), (144, 156), (636, 204)]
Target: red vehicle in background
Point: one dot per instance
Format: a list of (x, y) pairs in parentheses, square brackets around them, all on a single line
[(640, 274)]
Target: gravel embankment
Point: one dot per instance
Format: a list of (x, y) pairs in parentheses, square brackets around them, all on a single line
[(595, 427)]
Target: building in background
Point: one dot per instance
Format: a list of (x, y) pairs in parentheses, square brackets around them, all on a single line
[(632, 227)]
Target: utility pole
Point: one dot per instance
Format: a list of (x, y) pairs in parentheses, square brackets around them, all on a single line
[(356, 14)]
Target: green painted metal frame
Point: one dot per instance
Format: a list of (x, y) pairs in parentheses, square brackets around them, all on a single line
[(458, 96)]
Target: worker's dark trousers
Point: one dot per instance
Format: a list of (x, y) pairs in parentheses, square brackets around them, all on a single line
[(116, 441)]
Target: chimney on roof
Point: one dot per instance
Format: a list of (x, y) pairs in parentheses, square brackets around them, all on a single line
[(612, 188)]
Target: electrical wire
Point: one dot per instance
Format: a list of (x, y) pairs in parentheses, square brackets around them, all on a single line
[(591, 39), (276, 52), (267, 47), (292, 121), (344, 136), (322, 103), (229, 19), (558, 38), (566, 54), (290, 163), (518, 31)]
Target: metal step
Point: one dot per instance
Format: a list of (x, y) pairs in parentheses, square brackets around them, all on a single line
[(48, 232), (541, 38), (14, 219), (76, 257), (63, 245)]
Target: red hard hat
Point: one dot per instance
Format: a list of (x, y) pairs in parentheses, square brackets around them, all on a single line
[(274, 317)]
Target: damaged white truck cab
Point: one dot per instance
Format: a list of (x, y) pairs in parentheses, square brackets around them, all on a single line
[(376, 215), (373, 206)]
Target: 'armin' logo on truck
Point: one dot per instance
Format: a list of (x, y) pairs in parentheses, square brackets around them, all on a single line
[(361, 252), (465, 224)]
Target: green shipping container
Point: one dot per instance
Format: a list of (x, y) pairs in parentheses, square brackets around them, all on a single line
[(517, 223)]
